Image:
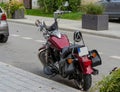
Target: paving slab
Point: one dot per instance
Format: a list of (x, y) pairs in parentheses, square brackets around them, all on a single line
[(13, 79)]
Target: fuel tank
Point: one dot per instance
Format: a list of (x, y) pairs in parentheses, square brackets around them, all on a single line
[(59, 43)]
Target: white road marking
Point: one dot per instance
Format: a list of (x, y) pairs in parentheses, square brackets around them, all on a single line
[(27, 38), (115, 57), (41, 41), (14, 35)]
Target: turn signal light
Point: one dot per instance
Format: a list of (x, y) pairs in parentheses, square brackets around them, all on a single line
[(69, 60), (94, 54)]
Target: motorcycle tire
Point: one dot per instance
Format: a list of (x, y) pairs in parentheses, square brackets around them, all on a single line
[(41, 56), (84, 83)]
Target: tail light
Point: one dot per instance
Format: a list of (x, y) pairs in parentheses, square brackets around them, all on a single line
[(95, 57), (3, 17)]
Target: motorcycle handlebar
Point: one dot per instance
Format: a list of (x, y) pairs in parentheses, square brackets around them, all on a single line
[(61, 12), (42, 24)]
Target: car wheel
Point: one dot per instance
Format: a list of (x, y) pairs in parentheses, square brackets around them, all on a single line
[(3, 39), (119, 19)]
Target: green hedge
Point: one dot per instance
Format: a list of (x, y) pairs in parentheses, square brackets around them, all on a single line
[(52, 5), (110, 83), (92, 8)]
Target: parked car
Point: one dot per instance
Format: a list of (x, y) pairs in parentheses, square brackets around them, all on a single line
[(4, 30), (112, 8)]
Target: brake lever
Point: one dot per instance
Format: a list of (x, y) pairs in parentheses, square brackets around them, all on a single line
[(37, 23)]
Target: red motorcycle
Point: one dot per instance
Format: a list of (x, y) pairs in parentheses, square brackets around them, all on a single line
[(72, 61)]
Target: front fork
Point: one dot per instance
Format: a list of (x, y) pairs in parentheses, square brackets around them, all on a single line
[(45, 47)]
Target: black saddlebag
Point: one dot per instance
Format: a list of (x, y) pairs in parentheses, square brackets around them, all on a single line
[(96, 59)]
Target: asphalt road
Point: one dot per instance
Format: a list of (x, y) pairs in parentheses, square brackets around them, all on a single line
[(24, 41)]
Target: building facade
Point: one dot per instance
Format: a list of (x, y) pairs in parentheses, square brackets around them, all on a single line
[(34, 4), (29, 4), (4, 1), (9, 0)]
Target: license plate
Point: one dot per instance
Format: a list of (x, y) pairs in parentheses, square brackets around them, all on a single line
[(83, 51)]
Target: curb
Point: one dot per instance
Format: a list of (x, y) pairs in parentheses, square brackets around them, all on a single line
[(85, 31), (92, 33)]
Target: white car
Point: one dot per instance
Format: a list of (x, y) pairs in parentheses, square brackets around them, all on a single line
[(4, 30)]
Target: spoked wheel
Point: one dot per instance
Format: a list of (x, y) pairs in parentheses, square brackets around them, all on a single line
[(83, 82), (42, 57), (48, 67)]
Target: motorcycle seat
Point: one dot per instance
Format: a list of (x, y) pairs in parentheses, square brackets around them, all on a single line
[(67, 50)]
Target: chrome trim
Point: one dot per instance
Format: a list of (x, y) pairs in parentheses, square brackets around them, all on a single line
[(56, 33)]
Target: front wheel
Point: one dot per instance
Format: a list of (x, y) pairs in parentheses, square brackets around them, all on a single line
[(42, 57), (84, 82)]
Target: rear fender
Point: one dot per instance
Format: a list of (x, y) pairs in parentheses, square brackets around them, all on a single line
[(85, 64)]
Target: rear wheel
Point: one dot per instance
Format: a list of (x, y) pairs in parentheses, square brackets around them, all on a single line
[(3, 39), (83, 82)]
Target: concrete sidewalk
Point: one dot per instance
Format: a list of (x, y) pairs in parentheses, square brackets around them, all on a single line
[(72, 25), (13, 79)]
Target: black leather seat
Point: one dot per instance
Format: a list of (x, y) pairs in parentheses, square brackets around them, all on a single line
[(67, 50)]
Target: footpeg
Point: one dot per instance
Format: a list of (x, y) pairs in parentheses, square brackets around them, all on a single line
[(48, 70)]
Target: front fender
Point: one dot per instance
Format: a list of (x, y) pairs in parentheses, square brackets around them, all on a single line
[(42, 48)]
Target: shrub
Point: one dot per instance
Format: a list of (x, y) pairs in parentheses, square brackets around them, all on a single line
[(92, 8), (15, 5), (2, 5), (110, 83), (52, 5), (74, 5), (11, 6)]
